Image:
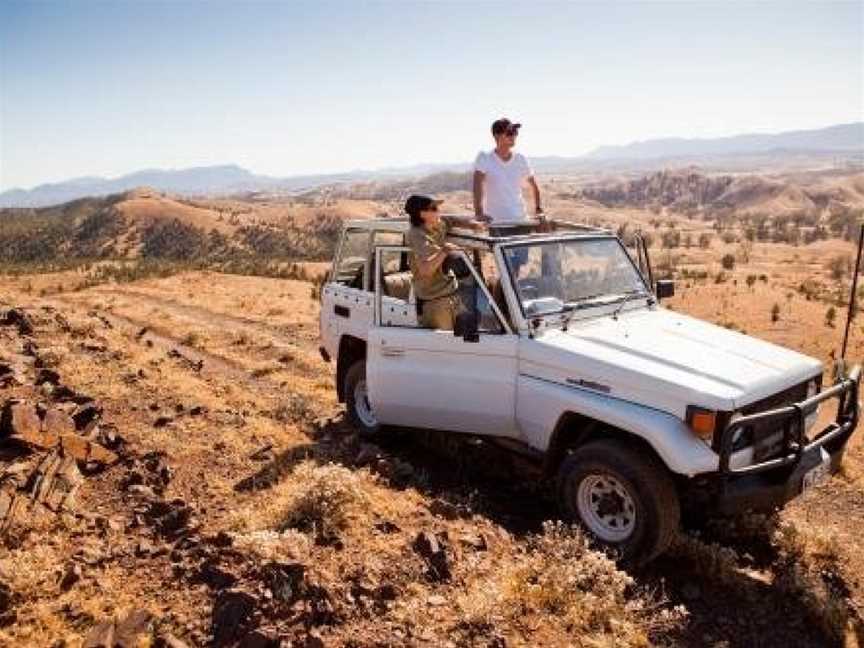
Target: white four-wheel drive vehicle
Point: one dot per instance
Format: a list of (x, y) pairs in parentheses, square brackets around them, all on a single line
[(564, 355)]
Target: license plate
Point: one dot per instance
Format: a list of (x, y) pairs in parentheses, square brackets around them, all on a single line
[(818, 474)]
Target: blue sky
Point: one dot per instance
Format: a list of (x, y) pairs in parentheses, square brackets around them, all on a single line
[(106, 88)]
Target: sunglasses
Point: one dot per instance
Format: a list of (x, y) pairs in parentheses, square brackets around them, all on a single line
[(432, 208)]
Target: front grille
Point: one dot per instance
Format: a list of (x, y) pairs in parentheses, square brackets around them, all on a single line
[(768, 437)]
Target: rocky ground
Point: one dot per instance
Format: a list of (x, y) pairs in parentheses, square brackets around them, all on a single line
[(175, 471)]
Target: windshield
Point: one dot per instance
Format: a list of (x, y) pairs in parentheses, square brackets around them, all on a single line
[(558, 276)]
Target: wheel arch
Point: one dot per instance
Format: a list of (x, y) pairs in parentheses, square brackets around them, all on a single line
[(574, 430), (351, 349)]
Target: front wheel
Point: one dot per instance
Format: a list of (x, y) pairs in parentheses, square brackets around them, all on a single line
[(357, 401), (622, 496)]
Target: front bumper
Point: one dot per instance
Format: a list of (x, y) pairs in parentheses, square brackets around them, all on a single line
[(770, 484)]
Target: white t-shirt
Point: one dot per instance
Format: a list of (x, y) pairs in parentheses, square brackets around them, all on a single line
[(503, 185)]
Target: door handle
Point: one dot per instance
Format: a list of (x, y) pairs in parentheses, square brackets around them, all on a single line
[(392, 352)]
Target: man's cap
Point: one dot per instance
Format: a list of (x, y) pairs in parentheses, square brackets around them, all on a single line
[(504, 125), (417, 203)]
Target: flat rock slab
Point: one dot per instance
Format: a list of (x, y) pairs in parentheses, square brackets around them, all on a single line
[(85, 450), (55, 482)]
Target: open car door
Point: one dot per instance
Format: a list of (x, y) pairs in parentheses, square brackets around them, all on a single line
[(427, 378)]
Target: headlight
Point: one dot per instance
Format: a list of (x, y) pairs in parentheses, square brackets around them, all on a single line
[(743, 437), (703, 422), (812, 388)]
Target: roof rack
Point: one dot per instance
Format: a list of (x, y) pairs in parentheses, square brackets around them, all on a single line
[(559, 226)]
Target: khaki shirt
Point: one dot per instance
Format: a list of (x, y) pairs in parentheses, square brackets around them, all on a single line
[(425, 245)]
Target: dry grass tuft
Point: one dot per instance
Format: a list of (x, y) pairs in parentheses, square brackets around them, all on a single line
[(274, 545), (330, 498), (708, 560), (558, 578), (811, 568)]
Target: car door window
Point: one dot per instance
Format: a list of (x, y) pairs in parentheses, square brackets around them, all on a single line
[(351, 267), (396, 297)]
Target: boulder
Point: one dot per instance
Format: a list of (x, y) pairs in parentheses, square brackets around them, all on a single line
[(57, 423), (261, 638), (71, 576), (428, 545), (85, 450), (20, 420), (55, 482), (86, 416), (232, 616)]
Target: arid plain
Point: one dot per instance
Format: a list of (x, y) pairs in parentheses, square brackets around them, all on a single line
[(237, 507)]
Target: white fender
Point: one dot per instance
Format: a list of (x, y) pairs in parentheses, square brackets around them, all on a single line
[(541, 404)]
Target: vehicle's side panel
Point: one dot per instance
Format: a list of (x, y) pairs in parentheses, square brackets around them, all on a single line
[(433, 379), (540, 404)]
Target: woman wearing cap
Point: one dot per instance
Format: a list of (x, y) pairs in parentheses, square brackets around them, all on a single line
[(437, 301)]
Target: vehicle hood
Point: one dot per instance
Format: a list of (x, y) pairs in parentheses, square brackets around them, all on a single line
[(665, 360)]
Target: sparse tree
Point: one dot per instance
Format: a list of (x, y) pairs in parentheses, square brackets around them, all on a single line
[(728, 261), (775, 312), (840, 266), (830, 316)]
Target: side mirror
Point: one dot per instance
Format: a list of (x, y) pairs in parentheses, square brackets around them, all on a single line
[(665, 288), (465, 327)]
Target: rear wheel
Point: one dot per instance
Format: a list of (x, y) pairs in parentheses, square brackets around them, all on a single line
[(357, 400), (622, 496)]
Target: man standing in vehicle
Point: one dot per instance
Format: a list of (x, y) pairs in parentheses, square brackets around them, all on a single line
[(498, 179), (437, 299)]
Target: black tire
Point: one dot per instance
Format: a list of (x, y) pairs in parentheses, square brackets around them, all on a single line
[(356, 374), (651, 527)]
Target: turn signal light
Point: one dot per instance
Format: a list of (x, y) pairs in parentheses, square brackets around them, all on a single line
[(703, 422)]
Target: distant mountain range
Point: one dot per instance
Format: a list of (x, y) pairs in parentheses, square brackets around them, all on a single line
[(741, 150), (843, 137)]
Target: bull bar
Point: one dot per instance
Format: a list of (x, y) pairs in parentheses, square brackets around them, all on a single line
[(792, 419)]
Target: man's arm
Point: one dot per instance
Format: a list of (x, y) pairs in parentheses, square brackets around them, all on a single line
[(538, 207), (479, 176), (459, 221)]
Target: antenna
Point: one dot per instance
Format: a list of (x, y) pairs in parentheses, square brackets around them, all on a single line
[(850, 314)]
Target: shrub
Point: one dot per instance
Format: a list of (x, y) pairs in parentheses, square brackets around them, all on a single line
[(728, 261), (775, 312), (331, 497), (671, 239), (810, 289), (839, 266), (559, 579), (705, 240), (830, 316)]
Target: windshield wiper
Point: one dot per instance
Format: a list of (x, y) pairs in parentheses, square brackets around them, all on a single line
[(571, 308), (628, 297)]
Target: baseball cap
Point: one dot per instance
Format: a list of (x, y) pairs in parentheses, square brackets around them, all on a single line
[(504, 125), (418, 203)]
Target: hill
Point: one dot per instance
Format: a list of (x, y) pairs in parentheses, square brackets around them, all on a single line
[(151, 224), (691, 189), (842, 137)]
